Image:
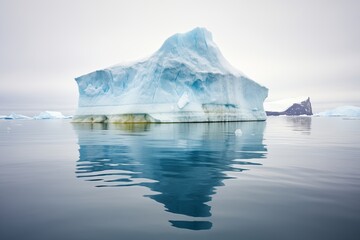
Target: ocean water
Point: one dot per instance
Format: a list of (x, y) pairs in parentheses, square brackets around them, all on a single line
[(286, 178)]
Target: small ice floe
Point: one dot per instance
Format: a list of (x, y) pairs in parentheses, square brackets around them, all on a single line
[(238, 132)]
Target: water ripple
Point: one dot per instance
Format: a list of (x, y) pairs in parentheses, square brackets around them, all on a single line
[(181, 164)]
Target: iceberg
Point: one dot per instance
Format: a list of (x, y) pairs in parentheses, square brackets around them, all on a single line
[(42, 115), (50, 115), (186, 80), (290, 107), (14, 116), (344, 111)]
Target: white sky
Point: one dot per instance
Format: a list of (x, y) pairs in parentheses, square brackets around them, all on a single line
[(304, 47)]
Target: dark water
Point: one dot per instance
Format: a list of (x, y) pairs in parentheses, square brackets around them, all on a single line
[(287, 178)]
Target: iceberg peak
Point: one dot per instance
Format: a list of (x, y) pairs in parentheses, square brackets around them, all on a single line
[(197, 39), (196, 49)]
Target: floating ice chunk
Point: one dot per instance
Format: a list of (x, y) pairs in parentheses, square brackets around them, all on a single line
[(238, 132), (344, 111)]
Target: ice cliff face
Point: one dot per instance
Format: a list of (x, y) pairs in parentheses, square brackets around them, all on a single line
[(186, 80)]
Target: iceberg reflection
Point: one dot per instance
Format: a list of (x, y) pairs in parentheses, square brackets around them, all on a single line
[(300, 124), (181, 163)]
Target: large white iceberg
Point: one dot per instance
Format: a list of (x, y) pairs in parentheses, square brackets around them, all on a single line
[(344, 111), (186, 80)]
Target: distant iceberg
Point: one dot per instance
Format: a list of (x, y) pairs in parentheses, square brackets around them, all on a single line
[(42, 115), (14, 116), (186, 80), (290, 107), (344, 111), (51, 115)]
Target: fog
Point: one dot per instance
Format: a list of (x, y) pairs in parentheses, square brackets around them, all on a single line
[(294, 48)]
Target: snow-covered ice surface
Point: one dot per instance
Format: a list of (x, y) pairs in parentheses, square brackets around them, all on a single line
[(186, 80), (344, 111)]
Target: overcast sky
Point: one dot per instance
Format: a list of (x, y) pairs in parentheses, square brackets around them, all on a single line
[(304, 47)]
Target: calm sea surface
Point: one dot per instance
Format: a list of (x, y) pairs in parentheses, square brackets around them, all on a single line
[(286, 178)]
